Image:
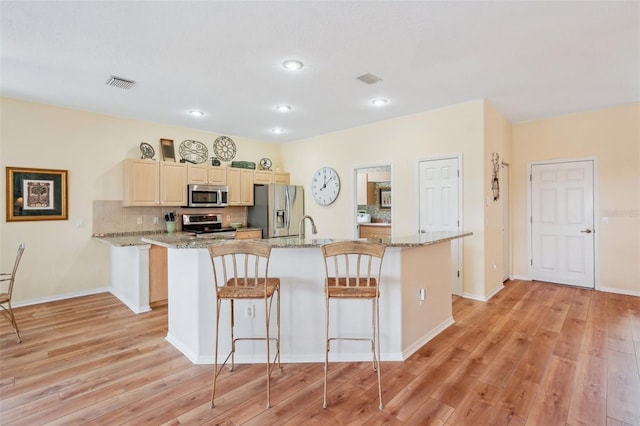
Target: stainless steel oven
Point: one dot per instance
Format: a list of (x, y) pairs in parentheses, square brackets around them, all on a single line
[(207, 195)]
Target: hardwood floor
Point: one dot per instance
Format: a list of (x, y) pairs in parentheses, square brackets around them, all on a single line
[(536, 354)]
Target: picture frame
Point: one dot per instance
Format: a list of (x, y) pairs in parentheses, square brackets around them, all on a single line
[(36, 194), (385, 198), (167, 150)]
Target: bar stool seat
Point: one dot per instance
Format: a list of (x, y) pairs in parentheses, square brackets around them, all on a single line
[(240, 270)]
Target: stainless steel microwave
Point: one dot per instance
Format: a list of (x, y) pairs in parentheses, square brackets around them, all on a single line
[(207, 195)]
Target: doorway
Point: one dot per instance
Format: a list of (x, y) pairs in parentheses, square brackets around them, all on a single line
[(562, 219), (373, 204), (440, 205)]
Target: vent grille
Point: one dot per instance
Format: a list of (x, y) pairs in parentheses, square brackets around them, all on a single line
[(369, 78), (120, 82)]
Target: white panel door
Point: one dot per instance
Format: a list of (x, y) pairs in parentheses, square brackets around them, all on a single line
[(562, 223), (439, 181)]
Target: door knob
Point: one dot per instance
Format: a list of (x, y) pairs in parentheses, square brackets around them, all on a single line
[(586, 231)]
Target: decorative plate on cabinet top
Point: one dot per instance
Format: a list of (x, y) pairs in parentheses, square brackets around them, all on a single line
[(147, 151), (265, 163), (224, 148), (194, 151)]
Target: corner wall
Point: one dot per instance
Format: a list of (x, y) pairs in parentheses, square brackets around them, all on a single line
[(613, 137)]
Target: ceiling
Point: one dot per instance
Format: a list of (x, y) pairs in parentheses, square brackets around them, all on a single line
[(530, 60)]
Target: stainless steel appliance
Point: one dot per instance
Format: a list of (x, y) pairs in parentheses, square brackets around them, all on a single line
[(207, 195), (206, 226), (277, 209)]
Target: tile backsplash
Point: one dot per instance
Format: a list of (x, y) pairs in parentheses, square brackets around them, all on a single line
[(109, 216)]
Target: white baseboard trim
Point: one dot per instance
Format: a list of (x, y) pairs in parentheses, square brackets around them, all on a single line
[(135, 308), (60, 297), (425, 339), (494, 292), (521, 277), (620, 291), (473, 296)]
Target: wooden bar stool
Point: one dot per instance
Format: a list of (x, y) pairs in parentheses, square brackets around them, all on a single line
[(240, 270), (353, 272)]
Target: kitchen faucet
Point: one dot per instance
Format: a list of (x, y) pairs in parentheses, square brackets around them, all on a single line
[(301, 226)]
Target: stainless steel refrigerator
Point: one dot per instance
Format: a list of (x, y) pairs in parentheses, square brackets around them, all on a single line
[(277, 209)]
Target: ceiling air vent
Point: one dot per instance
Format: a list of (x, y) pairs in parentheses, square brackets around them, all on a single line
[(120, 82), (369, 78)]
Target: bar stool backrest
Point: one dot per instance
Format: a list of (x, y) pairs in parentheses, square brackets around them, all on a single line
[(353, 264), (240, 263)]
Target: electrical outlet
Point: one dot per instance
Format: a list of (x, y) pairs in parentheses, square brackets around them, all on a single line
[(156, 219), (139, 221), (249, 311)]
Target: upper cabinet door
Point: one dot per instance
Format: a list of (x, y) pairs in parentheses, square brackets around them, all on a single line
[(141, 183), (197, 174), (173, 184)]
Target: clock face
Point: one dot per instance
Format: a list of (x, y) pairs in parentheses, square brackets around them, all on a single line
[(325, 186)]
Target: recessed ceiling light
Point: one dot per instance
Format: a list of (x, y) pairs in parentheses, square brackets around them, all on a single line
[(283, 108), (379, 102), (292, 64), (277, 130), (196, 113)]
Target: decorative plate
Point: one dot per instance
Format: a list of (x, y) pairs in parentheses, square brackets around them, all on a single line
[(265, 163), (224, 148), (194, 151), (147, 151)]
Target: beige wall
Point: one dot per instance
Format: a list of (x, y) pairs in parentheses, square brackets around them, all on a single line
[(401, 142), (497, 136), (612, 136), (60, 256)]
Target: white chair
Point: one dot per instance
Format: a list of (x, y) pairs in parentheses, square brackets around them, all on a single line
[(5, 298)]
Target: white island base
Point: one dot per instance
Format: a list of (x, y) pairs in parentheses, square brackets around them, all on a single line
[(406, 322)]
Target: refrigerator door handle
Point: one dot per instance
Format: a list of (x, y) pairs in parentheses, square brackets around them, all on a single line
[(287, 200)]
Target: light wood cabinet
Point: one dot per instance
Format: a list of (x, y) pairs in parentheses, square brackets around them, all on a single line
[(262, 177), (152, 183), (141, 183), (217, 175), (379, 177), (366, 191), (206, 175), (240, 182), (173, 184), (158, 288), (374, 231), (282, 178), (247, 234)]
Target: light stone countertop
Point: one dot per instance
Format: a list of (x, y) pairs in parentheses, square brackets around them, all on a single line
[(380, 224), (181, 240)]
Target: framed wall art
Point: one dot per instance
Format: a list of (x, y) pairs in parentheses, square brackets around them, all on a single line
[(385, 198), (168, 152), (36, 194)]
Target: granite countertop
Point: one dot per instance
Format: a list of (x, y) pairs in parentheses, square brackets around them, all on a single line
[(137, 238), (381, 224), (182, 240)]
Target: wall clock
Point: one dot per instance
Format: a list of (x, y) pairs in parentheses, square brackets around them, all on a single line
[(325, 186)]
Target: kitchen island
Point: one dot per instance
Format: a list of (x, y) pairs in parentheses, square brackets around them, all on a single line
[(406, 322)]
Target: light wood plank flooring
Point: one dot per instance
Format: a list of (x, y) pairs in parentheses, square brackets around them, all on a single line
[(536, 354)]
